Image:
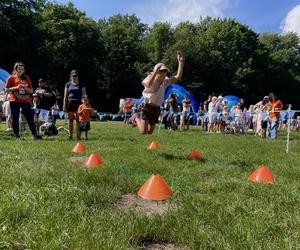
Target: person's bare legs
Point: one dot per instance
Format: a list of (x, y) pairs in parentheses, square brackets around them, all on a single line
[(77, 127), (151, 129), (181, 126), (142, 125), (71, 126)]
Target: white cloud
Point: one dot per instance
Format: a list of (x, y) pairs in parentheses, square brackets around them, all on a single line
[(292, 21), (176, 11)]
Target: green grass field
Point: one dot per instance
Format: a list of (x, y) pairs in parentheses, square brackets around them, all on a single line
[(49, 202)]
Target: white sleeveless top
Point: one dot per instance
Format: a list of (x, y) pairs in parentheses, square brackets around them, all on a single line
[(155, 93)]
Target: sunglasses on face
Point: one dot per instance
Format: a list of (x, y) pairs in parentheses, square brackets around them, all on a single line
[(75, 75)]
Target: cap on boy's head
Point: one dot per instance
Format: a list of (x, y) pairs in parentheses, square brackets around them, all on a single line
[(162, 67), (74, 72), (41, 80), (266, 97), (220, 97)]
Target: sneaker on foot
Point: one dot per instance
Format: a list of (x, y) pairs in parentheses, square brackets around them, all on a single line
[(37, 137)]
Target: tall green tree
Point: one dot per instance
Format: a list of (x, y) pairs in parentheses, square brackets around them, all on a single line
[(122, 39), (283, 69), (20, 38), (72, 41), (158, 40)]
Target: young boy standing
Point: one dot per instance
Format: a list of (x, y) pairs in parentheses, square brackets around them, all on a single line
[(84, 115)]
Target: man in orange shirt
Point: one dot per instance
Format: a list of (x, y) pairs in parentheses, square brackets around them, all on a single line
[(274, 114), (84, 116), (19, 88), (127, 110)]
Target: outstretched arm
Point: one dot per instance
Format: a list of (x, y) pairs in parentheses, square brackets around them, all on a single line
[(180, 59), (150, 78)]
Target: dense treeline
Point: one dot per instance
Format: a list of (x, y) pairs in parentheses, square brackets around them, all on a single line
[(113, 55)]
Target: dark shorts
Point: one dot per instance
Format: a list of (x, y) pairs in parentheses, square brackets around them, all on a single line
[(127, 114), (150, 113), (73, 106), (84, 126), (264, 124)]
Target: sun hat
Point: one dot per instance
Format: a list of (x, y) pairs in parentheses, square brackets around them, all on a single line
[(74, 72), (162, 67)]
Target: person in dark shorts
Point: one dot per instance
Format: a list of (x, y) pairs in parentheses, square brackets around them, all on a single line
[(84, 113), (154, 88), (74, 91)]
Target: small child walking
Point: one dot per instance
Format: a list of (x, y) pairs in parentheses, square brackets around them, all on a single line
[(84, 115)]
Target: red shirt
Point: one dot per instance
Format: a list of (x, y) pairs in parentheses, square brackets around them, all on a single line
[(19, 95)]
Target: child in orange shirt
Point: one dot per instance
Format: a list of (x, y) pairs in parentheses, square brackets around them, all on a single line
[(84, 115)]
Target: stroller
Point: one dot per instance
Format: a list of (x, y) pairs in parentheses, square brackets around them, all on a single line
[(45, 122), (229, 124)]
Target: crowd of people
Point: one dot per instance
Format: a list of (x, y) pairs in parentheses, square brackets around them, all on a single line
[(216, 116), (39, 109)]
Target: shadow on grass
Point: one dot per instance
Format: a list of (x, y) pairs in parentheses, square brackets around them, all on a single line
[(243, 164), (179, 157), (118, 138), (167, 156)]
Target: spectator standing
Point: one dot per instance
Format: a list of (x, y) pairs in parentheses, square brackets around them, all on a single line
[(185, 114), (19, 88), (274, 114), (74, 91), (127, 110), (43, 99)]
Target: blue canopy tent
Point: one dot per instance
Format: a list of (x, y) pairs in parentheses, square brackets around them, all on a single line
[(3, 76), (181, 92), (232, 100)]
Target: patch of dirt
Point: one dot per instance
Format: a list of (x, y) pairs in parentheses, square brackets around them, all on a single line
[(131, 202), (79, 159), (163, 246), (109, 149)]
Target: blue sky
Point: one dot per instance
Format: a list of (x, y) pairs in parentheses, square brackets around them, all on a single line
[(260, 15)]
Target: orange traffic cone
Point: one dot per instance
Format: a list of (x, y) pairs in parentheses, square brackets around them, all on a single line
[(78, 148), (154, 145), (195, 155), (93, 161), (262, 175), (155, 188)]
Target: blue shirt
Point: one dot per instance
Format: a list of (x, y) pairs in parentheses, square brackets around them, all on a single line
[(74, 91)]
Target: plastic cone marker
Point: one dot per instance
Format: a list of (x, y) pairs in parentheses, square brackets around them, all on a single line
[(195, 155), (78, 148), (93, 161), (262, 175), (155, 188), (154, 145)]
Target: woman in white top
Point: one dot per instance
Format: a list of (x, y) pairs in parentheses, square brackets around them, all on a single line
[(155, 84), (261, 107), (212, 113)]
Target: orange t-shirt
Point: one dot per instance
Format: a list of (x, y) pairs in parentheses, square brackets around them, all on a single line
[(18, 95), (84, 115), (276, 106), (127, 106)]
